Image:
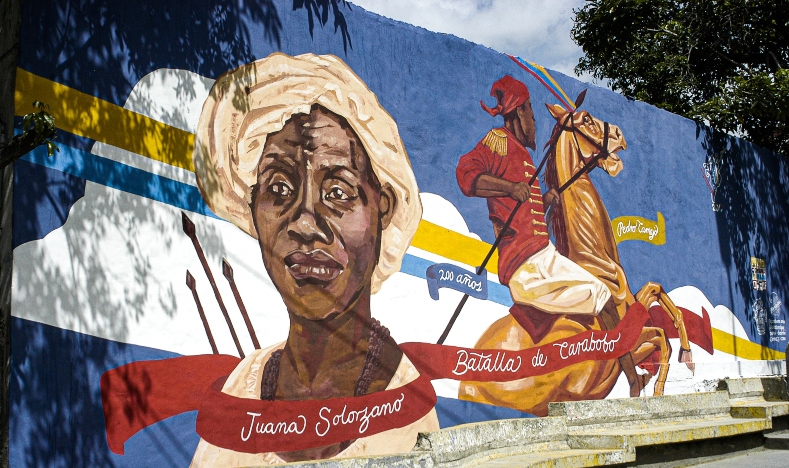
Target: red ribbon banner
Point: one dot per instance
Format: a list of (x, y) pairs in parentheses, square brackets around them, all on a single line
[(257, 426), (142, 393), (499, 365)]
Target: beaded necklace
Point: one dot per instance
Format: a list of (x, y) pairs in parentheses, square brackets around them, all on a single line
[(378, 335)]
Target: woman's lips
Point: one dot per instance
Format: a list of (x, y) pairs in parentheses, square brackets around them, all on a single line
[(316, 265)]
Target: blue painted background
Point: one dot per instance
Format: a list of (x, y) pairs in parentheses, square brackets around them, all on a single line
[(431, 84)]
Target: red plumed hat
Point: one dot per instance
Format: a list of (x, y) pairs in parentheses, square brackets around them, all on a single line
[(512, 92)]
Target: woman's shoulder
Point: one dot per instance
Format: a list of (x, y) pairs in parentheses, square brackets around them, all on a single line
[(405, 374)]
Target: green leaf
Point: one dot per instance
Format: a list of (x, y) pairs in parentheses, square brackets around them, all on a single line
[(716, 62)]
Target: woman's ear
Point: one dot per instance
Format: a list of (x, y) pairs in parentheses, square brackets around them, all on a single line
[(386, 205)]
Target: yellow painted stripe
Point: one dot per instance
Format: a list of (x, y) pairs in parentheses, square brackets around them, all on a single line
[(454, 246), (91, 117), (743, 348), (559, 88), (94, 118)]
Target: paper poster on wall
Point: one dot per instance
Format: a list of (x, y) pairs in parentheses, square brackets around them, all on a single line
[(758, 274)]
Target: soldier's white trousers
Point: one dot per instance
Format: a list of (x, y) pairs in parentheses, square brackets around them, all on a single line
[(555, 284)]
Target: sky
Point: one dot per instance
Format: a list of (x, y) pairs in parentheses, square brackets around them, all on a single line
[(535, 30)]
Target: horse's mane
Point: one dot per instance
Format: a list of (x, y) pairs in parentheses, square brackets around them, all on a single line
[(556, 220)]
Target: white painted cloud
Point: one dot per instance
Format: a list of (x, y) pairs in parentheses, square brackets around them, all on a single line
[(536, 30), (172, 96), (438, 210)]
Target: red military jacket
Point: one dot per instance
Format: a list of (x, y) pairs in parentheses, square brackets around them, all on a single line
[(501, 155)]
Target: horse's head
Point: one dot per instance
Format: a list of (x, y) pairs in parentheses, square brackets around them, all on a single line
[(588, 135)]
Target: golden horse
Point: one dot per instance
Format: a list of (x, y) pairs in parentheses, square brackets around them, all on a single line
[(583, 233)]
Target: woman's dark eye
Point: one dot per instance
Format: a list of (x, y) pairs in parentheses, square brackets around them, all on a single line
[(280, 189), (337, 193)]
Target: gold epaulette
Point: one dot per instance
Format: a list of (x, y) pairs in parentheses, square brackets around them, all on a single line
[(496, 140)]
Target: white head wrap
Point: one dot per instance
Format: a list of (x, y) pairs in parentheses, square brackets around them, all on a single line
[(247, 104)]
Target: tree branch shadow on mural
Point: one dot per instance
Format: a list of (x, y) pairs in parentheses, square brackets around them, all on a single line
[(135, 38), (319, 10), (752, 198), (132, 40), (103, 309)]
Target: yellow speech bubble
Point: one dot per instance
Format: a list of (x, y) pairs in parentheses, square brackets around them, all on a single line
[(640, 229)]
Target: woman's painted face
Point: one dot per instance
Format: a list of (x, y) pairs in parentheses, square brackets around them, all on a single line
[(318, 211)]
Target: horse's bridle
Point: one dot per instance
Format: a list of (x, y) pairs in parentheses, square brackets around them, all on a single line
[(602, 150)]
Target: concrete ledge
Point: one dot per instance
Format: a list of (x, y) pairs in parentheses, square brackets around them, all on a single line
[(489, 438), (756, 397), (742, 388), (629, 410), (645, 433), (755, 409), (766, 388), (422, 460), (566, 459), (599, 432)]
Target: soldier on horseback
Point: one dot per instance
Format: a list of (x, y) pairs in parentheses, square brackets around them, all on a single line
[(499, 168), (543, 283)]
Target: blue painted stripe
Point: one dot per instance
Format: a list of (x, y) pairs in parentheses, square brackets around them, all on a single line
[(454, 412), (62, 137), (122, 177), (184, 196)]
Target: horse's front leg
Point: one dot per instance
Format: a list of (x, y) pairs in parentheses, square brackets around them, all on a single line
[(654, 292), (651, 339)]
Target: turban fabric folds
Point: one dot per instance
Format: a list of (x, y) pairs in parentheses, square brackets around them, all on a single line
[(509, 93), (255, 100)]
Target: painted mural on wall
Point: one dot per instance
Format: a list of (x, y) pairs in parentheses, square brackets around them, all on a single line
[(304, 250), (581, 285), (298, 153)]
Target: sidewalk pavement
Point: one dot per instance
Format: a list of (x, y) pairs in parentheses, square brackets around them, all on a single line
[(761, 458)]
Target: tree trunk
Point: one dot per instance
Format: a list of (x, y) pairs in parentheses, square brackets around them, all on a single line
[(19, 146), (10, 21)]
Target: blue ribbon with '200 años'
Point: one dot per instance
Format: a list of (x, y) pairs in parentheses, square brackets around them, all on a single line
[(445, 275)]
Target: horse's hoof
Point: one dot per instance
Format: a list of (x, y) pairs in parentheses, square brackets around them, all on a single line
[(637, 386), (645, 378), (687, 357)]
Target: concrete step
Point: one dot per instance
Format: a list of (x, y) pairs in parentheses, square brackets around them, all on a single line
[(617, 412), (765, 388), (468, 444), (605, 432), (642, 434), (752, 408), (559, 459), (777, 441)]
